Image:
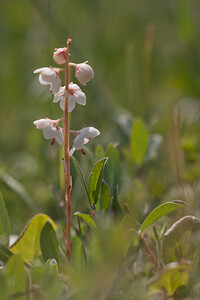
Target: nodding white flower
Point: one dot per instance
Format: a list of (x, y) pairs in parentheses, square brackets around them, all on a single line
[(75, 96), (82, 137), (49, 76), (51, 130), (59, 55), (84, 72)]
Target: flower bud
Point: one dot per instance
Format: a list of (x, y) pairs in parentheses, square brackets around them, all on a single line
[(84, 73), (59, 55)]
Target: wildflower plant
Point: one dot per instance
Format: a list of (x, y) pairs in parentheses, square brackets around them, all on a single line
[(67, 95)]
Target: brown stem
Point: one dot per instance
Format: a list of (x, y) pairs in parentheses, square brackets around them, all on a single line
[(67, 160), (148, 250)]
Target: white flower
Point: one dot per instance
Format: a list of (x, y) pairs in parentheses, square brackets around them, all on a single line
[(82, 137), (59, 55), (75, 96), (51, 130), (49, 76), (84, 72)]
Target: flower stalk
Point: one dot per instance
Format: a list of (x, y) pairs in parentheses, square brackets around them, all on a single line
[(67, 158)]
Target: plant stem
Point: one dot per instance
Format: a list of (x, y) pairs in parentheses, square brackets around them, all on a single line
[(148, 250), (67, 159)]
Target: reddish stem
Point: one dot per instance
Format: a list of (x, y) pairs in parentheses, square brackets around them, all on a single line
[(67, 159)]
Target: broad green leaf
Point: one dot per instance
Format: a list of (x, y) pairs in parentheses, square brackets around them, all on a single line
[(112, 170), (4, 223), (159, 212), (178, 242), (172, 277), (79, 172), (5, 254), (28, 243), (95, 180), (88, 220), (105, 196), (16, 276), (48, 242), (139, 141), (99, 152)]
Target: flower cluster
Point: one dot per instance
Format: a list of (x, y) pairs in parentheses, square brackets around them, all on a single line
[(73, 94)]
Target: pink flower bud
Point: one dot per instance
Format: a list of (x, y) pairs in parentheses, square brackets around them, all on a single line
[(59, 55), (84, 73)]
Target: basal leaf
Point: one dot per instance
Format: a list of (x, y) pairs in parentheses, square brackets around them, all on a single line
[(88, 220), (105, 196), (79, 173), (28, 243), (4, 223), (159, 212), (95, 180), (48, 242), (139, 141)]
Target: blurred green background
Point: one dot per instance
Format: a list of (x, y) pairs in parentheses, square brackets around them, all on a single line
[(146, 59)]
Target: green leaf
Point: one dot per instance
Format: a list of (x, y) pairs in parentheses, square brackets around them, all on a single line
[(88, 220), (16, 276), (159, 212), (79, 173), (28, 243), (48, 242), (96, 179), (5, 254), (105, 196), (178, 242), (172, 277), (139, 141), (4, 223), (112, 170)]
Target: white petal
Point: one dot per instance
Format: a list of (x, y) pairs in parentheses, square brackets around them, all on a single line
[(89, 132), (79, 142), (40, 70), (62, 104), (59, 136), (60, 95), (85, 141), (71, 103), (49, 132), (55, 85), (42, 81), (71, 152), (80, 97), (42, 123)]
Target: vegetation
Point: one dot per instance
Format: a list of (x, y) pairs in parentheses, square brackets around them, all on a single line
[(135, 215)]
